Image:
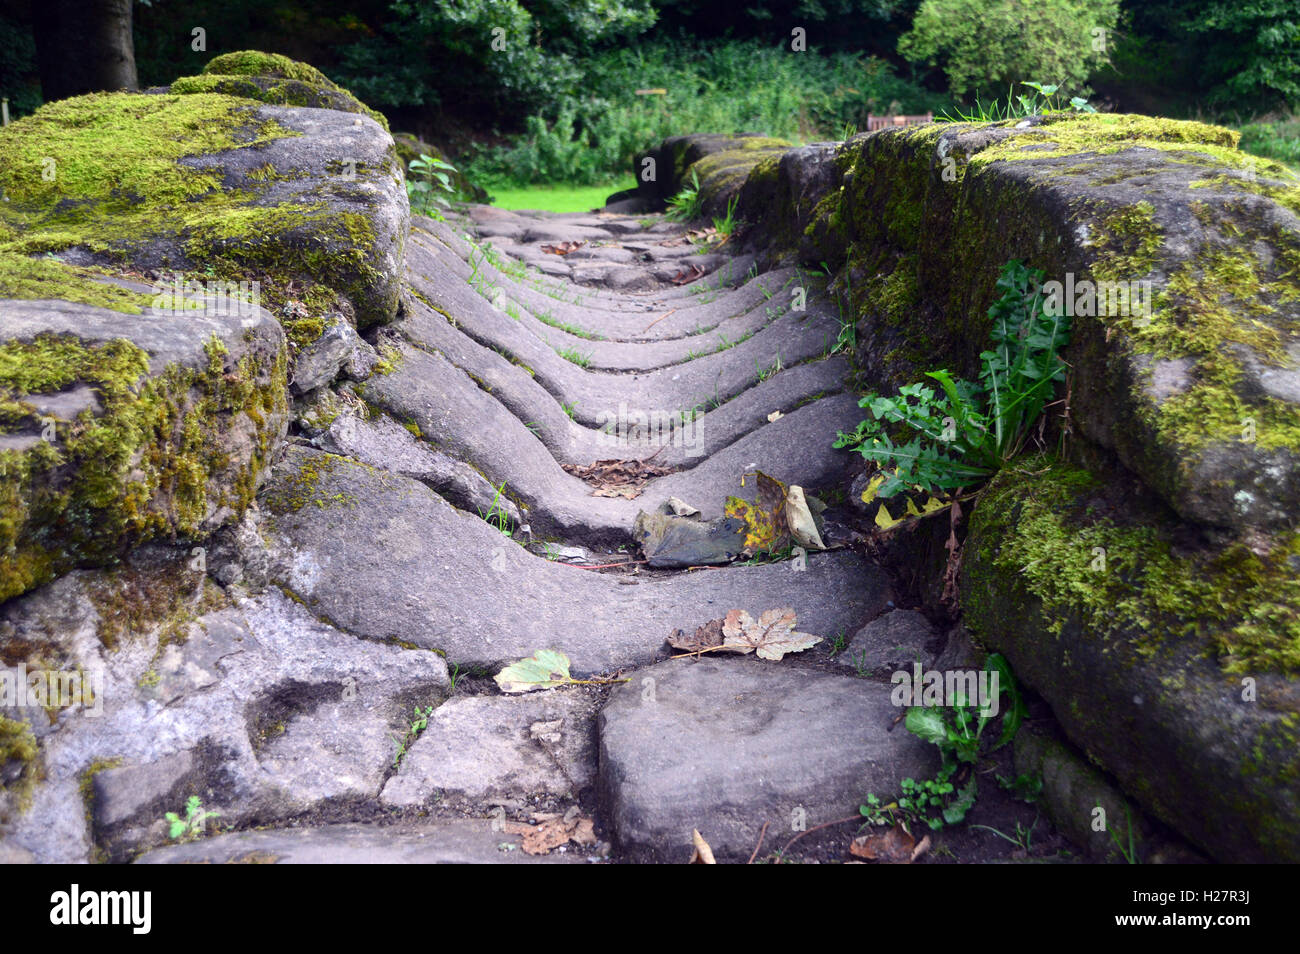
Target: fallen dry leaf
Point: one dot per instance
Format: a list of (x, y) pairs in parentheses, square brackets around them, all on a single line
[(921, 848), (688, 275), (799, 517), (766, 528), (771, 637), (894, 846), (681, 508), (703, 854), (706, 637), (553, 831), (618, 478), (564, 248)]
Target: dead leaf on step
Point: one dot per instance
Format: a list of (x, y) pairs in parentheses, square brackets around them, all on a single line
[(681, 508), (771, 636), (766, 528), (625, 491), (799, 517), (894, 846), (706, 637), (703, 854), (618, 478), (564, 248), (921, 848), (688, 274), (542, 838)]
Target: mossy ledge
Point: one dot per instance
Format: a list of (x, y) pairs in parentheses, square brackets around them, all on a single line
[(218, 181), (125, 417), (112, 435), (1200, 395), (1169, 660)]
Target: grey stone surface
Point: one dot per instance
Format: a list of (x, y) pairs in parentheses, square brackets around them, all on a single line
[(571, 442), (384, 557), (301, 713), (382, 442), (442, 399), (724, 745), (484, 746), (338, 348), (892, 642), (450, 841)]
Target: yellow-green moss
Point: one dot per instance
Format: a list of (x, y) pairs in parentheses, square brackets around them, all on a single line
[(294, 492), (103, 172), (1106, 133), (140, 468), (273, 78), (18, 744), (1037, 524), (22, 277), (1131, 241)]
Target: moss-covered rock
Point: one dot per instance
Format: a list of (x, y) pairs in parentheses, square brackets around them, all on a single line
[(19, 766), (275, 79), (1169, 657), (730, 161), (212, 183), (1199, 393), (127, 413), (116, 429)]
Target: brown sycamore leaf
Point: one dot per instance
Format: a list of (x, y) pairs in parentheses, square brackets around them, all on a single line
[(703, 854), (771, 637), (894, 846), (708, 636)]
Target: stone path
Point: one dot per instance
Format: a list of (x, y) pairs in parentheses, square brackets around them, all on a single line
[(376, 583)]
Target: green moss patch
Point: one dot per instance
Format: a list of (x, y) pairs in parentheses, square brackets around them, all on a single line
[(18, 744), (275, 79), (143, 467), (1056, 529), (22, 277)]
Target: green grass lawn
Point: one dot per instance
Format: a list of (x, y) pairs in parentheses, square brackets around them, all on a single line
[(559, 198)]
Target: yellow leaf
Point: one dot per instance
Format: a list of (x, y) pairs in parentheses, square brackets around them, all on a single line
[(884, 520), (873, 487)]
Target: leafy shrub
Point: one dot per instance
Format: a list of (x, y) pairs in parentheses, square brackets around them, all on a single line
[(985, 45), (965, 432), (591, 133), (1279, 141)]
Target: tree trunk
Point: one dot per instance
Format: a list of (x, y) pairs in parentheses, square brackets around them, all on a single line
[(83, 46)]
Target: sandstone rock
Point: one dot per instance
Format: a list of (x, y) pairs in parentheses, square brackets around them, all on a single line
[(484, 746), (893, 642), (190, 404), (451, 841), (723, 746)]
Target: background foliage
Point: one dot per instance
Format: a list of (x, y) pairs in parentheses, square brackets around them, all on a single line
[(560, 102)]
